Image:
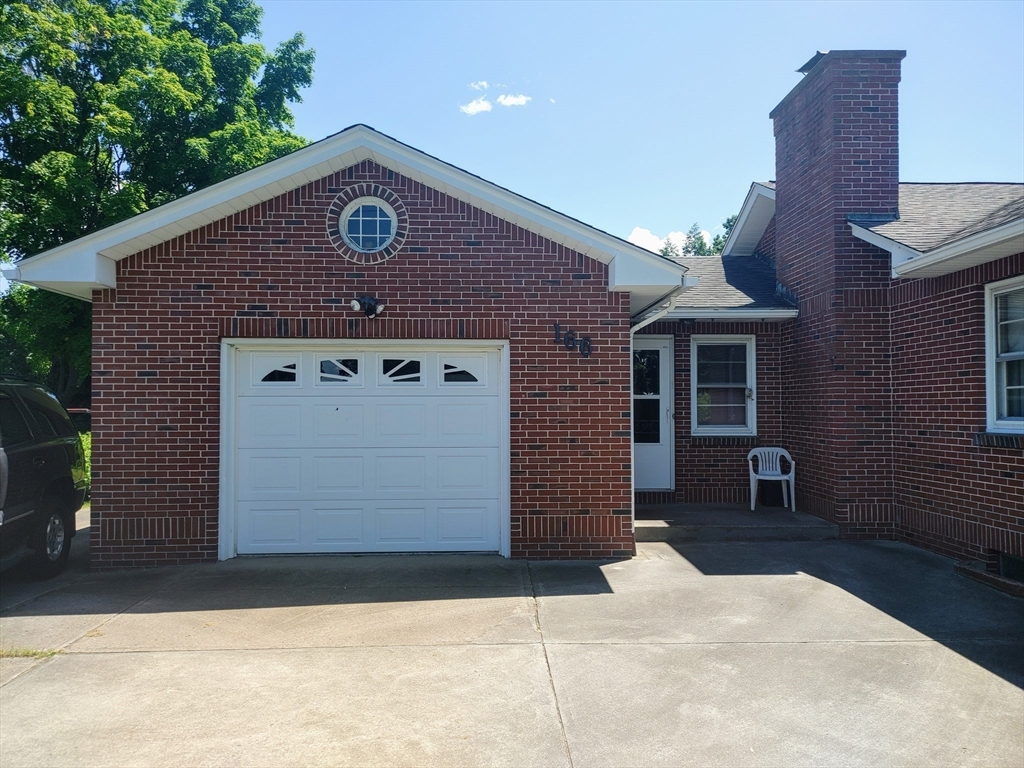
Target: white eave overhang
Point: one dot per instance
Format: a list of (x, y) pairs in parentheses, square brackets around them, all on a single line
[(88, 263), (977, 249), (706, 313), (751, 222)]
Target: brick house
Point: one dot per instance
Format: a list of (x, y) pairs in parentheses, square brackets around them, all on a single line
[(895, 375), (245, 401), (249, 397)]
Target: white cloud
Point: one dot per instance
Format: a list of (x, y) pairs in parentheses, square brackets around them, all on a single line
[(477, 105), (479, 85), (647, 239), (552, 101), (513, 101)]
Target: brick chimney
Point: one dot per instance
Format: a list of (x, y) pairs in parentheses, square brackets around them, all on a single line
[(837, 154)]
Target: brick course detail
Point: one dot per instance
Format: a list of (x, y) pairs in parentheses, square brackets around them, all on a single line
[(272, 272)]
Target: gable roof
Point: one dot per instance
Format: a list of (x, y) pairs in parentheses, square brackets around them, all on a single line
[(89, 262), (752, 220), (943, 228), (731, 287)]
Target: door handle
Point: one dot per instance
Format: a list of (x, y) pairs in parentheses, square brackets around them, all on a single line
[(670, 414), (38, 461)]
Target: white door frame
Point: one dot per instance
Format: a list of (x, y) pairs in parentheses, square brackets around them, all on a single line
[(668, 398), (227, 537)]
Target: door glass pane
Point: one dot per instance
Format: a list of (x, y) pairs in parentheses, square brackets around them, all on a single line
[(722, 406), (646, 372), (646, 421)]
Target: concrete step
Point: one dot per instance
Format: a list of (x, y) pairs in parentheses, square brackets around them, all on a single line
[(728, 522)]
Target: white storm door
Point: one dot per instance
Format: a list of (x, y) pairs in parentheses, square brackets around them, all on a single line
[(653, 415)]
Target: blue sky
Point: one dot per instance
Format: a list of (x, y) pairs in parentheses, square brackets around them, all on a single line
[(650, 115)]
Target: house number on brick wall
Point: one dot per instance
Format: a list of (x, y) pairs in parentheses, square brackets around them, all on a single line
[(572, 341)]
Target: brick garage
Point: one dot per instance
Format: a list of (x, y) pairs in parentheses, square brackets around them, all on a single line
[(276, 271)]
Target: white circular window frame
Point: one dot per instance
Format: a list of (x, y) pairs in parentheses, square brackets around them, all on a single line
[(358, 202)]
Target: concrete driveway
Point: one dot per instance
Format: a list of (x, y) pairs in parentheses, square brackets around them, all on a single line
[(711, 654)]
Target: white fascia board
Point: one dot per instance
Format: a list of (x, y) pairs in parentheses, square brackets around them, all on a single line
[(517, 209), (682, 313), (626, 274), (77, 277), (334, 154), (901, 254), (976, 249), (757, 197)]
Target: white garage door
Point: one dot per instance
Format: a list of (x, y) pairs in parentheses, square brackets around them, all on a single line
[(367, 450)]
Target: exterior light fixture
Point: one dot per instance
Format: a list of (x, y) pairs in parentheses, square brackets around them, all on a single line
[(368, 305)]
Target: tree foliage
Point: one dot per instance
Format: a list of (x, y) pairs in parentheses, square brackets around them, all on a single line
[(718, 244), (110, 107)]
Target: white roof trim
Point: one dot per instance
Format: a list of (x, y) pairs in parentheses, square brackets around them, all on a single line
[(753, 219), (323, 158), (705, 313), (976, 249)]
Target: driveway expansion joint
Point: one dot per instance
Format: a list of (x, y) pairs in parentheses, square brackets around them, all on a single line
[(547, 665)]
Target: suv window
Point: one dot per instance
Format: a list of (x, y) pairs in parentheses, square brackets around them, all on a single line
[(13, 429), (47, 413)]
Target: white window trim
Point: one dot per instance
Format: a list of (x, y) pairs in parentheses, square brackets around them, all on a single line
[(992, 290), (716, 430), (361, 201)]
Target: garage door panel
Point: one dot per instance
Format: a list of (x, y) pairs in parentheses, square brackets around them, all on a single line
[(333, 421), (338, 524), (275, 526), (401, 525), (318, 473), (469, 525), (405, 422), (338, 473), (336, 454), (400, 473)]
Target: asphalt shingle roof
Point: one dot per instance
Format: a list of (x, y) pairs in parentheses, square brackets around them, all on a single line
[(730, 282), (933, 215)]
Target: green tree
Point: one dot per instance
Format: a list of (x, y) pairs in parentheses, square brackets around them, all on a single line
[(110, 107), (694, 245), (669, 250), (718, 244)]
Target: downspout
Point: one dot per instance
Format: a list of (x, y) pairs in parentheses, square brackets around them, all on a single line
[(669, 301)]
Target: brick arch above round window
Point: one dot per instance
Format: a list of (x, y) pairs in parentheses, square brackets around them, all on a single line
[(369, 192)]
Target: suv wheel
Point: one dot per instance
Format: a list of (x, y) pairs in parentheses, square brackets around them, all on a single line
[(54, 543)]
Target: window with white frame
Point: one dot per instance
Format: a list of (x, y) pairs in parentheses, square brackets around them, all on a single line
[(722, 385), (1004, 355)]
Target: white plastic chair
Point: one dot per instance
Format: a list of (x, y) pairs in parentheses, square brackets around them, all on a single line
[(769, 467)]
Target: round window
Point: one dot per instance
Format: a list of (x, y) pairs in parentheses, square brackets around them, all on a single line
[(368, 224)]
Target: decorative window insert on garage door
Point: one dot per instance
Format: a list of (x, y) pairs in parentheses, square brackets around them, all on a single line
[(334, 447)]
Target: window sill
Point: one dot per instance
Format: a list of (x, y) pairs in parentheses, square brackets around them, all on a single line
[(998, 439), (723, 439)]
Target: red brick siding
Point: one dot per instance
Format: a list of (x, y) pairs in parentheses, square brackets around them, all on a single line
[(714, 469), (950, 495), (271, 271), (765, 248), (836, 155)]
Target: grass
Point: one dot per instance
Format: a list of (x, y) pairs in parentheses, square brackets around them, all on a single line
[(26, 653), (86, 438)]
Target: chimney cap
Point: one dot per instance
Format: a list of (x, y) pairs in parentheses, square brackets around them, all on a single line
[(852, 54), (811, 62)]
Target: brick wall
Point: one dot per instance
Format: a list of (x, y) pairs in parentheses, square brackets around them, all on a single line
[(271, 271), (950, 495), (714, 469), (836, 155)]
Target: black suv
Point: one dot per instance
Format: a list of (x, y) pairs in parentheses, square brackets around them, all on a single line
[(42, 477)]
